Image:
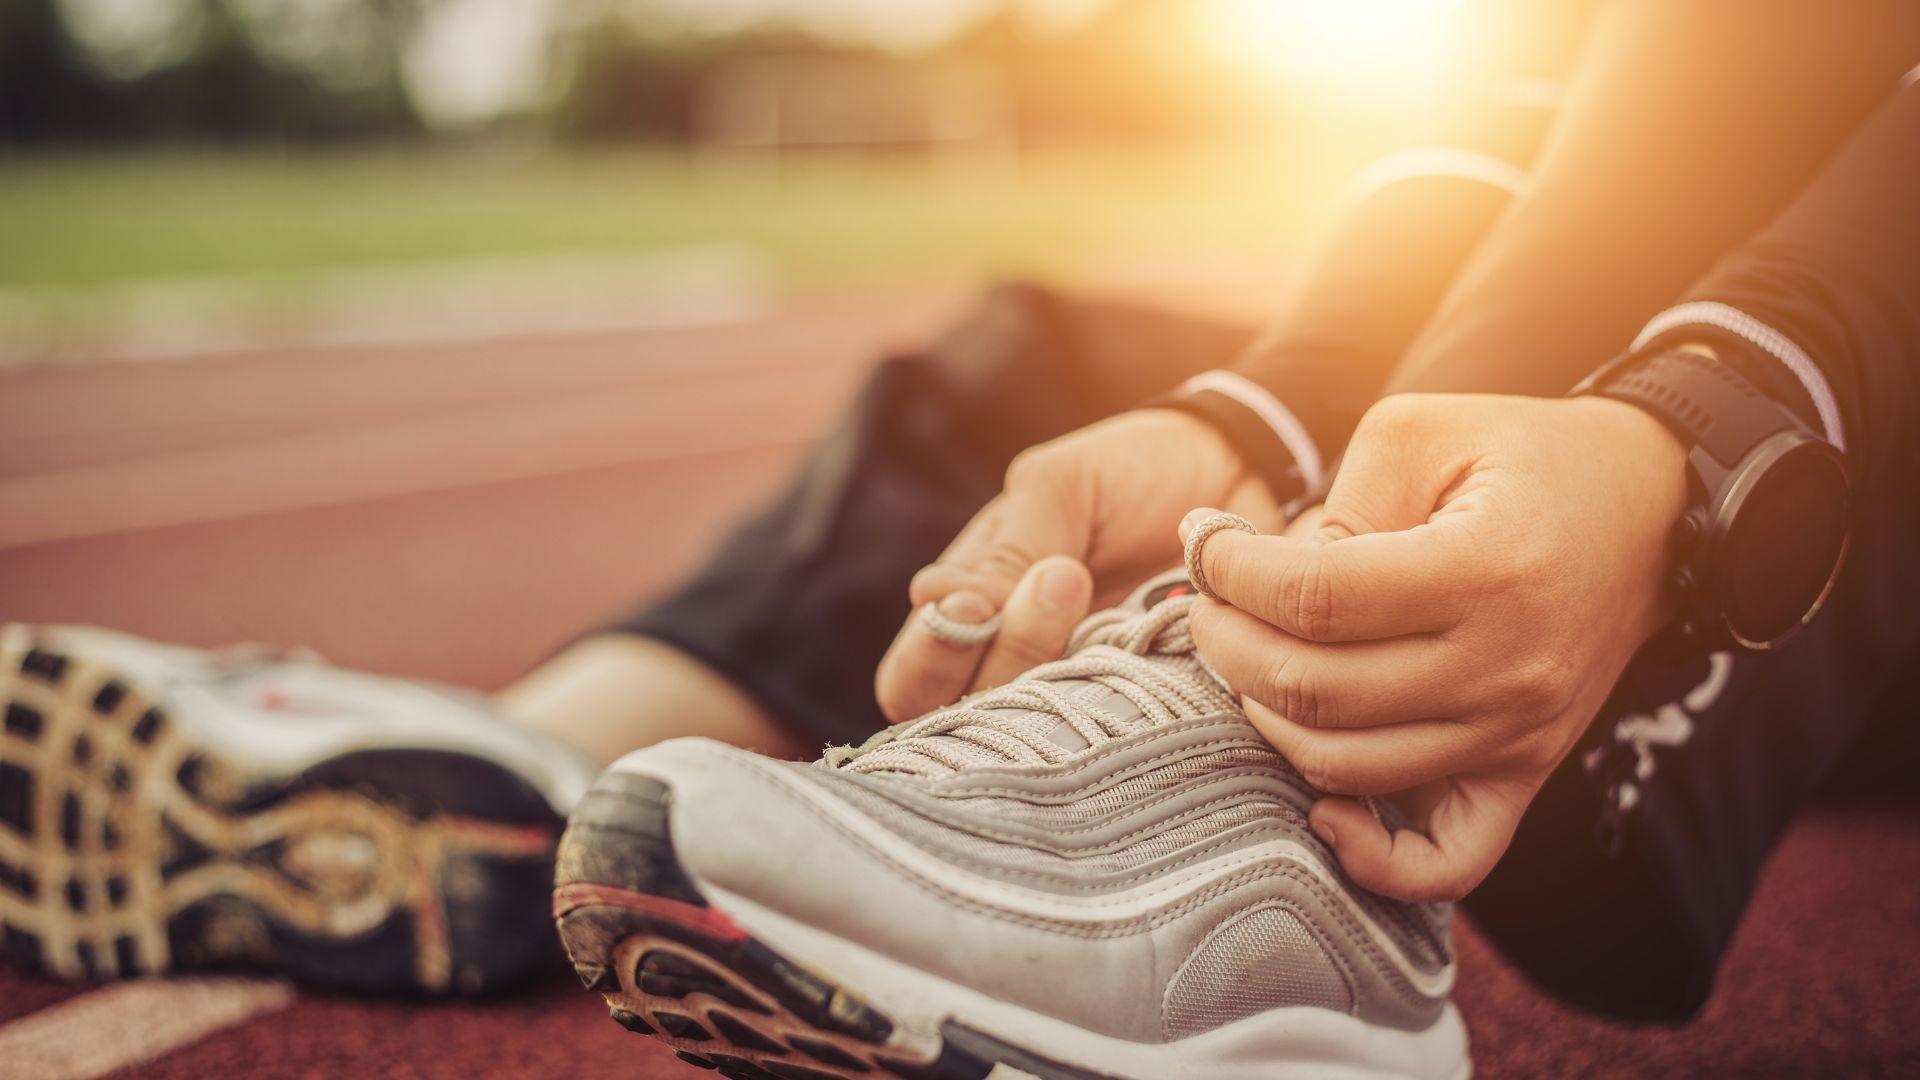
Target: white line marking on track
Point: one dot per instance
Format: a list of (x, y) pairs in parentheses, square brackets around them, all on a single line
[(131, 1023)]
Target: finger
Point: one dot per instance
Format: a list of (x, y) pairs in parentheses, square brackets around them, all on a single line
[(1371, 761), (1021, 526), (1466, 833), (1316, 685), (921, 671), (1038, 619), (1371, 586), (1309, 522)]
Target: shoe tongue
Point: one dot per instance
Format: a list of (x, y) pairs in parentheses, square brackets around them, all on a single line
[(1164, 586)]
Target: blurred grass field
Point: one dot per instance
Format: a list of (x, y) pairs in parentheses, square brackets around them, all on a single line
[(83, 221)]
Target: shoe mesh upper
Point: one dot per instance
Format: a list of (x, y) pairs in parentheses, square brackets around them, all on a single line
[(1265, 958)]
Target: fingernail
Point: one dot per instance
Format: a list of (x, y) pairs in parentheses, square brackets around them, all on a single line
[(967, 606), (1193, 518), (1061, 587), (1322, 830)]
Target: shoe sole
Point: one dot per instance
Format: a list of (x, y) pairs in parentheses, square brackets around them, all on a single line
[(128, 847), (672, 967)]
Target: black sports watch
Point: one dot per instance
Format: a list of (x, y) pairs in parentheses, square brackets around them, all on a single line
[(1766, 526)]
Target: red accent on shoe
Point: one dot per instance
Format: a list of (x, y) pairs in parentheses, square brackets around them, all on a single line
[(708, 921)]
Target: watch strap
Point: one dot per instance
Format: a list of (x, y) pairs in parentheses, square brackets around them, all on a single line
[(1706, 402)]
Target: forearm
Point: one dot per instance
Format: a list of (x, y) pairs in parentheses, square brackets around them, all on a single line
[(1412, 221), (1687, 128), (1822, 308), (1377, 281)]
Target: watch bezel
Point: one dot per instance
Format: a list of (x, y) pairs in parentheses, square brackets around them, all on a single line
[(1728, 498)]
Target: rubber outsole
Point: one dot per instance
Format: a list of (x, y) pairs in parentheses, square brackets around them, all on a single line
[(673, 968), (127, 848)]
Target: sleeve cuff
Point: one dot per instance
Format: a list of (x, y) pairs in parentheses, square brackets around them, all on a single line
[(1725, 320), (1262, 429)]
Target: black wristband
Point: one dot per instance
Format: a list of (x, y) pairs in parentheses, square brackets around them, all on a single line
[(1704, 401), (1262, 448)]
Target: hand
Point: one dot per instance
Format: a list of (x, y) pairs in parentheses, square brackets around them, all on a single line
[(1485, 569), (1081, 519)]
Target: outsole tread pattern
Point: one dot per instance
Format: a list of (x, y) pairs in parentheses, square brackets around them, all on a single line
[(124, 850)]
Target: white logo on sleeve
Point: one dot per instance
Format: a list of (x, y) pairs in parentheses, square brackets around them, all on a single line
[(1668, 726)]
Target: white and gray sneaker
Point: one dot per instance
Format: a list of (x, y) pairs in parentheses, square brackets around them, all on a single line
[(1100, 870), (164, 808)]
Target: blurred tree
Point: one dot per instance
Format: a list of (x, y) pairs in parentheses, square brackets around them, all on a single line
[(230, 71), (624, 85), (47, 88), (236, 72)]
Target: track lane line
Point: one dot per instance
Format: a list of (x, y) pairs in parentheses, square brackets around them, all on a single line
[(131, 1023)]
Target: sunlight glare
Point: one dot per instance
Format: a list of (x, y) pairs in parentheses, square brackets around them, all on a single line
[(1378, 47)]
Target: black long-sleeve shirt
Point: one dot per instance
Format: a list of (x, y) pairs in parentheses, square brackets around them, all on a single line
[(1837, 277)]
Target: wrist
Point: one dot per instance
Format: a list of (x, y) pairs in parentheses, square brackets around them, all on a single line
[(1265, 435), (1213, 455), (1649, 452), (1650, 466), (1764, 524)]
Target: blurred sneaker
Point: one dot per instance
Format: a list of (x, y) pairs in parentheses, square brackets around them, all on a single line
[(164, 808), (1100, 870)]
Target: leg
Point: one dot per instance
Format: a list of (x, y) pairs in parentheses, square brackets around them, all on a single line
[(772, 645), (609, 693)]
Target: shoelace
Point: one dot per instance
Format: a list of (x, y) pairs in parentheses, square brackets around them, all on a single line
[(1110, 648)]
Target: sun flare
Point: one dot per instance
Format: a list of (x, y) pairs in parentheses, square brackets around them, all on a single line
[(1389, 47)]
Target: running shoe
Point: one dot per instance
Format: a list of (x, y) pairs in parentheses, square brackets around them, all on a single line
[(165, 808), (1100, 870)]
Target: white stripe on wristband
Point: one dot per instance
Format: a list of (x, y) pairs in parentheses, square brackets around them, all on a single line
[(1763, 337), (1261, 402)]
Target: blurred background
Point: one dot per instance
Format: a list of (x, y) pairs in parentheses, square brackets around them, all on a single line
[(426, 332), (188, 175)]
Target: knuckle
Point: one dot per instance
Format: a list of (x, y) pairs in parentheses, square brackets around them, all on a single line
[(1526, 565), (1037, 466), (1294, 690), (1307, 596), (1543, 685), (1314, 598), (1395, 414)]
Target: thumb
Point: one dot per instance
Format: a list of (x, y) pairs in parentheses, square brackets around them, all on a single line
[(971, 583), (1396, 470), (1466, 831), (1021, 526)]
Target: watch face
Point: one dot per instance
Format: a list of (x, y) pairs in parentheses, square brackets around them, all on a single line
[(1784, 543)]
